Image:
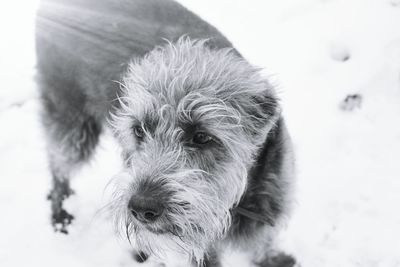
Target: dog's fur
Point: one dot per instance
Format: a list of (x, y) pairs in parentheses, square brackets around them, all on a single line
[(112, 57)]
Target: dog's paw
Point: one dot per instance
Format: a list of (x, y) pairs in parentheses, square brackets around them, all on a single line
[(279, 260), (283, 260), (61, 220)]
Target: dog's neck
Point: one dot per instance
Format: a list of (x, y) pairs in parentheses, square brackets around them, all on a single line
[(261, 203)]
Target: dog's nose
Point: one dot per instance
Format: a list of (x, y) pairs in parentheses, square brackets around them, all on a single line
[(144, 209)]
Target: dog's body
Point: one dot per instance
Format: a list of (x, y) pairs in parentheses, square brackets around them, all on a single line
[(207, 157)]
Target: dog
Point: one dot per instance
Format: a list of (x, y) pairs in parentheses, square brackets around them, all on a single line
[(208, 161)]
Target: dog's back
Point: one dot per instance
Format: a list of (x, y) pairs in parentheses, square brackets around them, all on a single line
[(84, 46)]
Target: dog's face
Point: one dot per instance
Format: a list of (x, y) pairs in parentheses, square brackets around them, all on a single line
[(189, 122)]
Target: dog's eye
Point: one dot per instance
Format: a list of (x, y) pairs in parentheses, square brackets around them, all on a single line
[(139, 132), (201, 138)]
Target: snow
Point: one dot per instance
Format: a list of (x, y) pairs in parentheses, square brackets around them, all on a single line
[(316, 52)]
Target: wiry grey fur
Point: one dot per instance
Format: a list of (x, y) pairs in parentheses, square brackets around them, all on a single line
[(232, 191)]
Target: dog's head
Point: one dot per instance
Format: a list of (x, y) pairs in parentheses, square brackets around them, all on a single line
[(189, 121)]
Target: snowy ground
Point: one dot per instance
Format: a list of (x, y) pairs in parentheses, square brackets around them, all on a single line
[(317, 52)]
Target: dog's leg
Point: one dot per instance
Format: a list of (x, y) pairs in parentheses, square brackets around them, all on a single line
[(212, 259), (66, 154), (60, 218), (72, 136), (264, 253)]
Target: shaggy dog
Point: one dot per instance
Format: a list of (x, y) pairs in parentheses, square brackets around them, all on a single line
[(207, 158)]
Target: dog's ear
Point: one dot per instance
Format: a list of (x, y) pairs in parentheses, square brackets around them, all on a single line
[(261, 112), (267, 109)]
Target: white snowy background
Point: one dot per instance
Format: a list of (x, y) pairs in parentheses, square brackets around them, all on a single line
[(347, 210)]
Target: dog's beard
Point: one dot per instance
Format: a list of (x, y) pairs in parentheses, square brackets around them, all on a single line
[(197, 212)]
